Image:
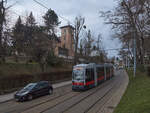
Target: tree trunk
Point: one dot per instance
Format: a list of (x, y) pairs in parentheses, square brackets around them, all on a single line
[(76, 48), (2, 20), (42, 66), (142, 50)]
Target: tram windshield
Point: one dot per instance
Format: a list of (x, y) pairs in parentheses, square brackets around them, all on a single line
[(78, 74)]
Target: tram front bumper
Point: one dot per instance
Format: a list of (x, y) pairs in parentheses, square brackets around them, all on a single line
[(76, 87)]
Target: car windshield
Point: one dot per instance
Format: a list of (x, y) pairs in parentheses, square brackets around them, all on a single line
[(29, 86), (78, 74)]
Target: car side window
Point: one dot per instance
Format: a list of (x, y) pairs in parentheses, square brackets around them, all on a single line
[(36, 87), (43, 85)]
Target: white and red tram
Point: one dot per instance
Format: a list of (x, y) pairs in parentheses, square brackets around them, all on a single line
[(86, 76)]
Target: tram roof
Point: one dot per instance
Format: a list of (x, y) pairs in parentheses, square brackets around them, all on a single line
[(82, 65), (100, 65), (108, 64), (97, 65)]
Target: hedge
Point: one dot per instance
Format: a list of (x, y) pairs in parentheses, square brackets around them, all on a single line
[(17, 81)]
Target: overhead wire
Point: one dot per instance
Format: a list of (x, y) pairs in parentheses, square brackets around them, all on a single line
[(42, 6), (69, 22), (65, 19)]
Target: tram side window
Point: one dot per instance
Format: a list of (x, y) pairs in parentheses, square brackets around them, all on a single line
[(100, 71), (89, 74), (92, 74)]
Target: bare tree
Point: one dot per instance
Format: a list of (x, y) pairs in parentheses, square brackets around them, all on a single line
[(101, 55), (4, 29), (81, 49), (79, 24), (129, 17), (89, 47), (2, 22)]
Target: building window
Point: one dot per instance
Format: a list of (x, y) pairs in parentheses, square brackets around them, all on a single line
[(64, 46), (63, 51)]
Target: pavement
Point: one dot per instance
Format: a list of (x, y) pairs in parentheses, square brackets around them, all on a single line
[(10, 96)]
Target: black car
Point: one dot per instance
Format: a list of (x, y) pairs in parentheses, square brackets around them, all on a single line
[(33, 90)]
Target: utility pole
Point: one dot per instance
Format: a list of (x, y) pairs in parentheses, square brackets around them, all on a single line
[(134, 52), (126, 62)]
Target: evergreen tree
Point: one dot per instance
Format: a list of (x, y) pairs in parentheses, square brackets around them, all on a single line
[(18, 36), (51, 21), (29, 31), (30, 20)]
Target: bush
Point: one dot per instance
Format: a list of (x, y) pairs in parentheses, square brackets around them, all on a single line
[(148, 70), (52, 60), (54, 76), (141, 68)]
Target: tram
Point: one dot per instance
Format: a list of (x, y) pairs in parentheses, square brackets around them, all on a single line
[(86, 76)]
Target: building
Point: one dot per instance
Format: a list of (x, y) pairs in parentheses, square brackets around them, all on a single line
[(65, 47)]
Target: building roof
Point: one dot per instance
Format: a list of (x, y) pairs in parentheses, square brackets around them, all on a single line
[(67, 26)]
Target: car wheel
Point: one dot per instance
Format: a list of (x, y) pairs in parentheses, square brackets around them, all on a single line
[(50, 91), (17, 100), (30, 97)]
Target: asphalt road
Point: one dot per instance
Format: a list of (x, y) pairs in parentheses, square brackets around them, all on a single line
[(64, 100)]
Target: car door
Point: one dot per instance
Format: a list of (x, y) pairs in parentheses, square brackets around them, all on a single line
[(45, 88), (36, 91)]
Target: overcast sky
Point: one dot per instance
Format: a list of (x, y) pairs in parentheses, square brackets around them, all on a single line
[(70, 9)]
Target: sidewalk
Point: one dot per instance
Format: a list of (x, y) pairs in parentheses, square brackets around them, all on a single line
[(7, 97)]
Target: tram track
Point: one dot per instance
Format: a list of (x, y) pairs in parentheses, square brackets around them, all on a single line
[(74, 101), (51, 103), (104, 107), (56, 104), (70, 103), (34, 107), (64, 100), (76, 105), (86, 111), (19, 107), (98, 105)]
